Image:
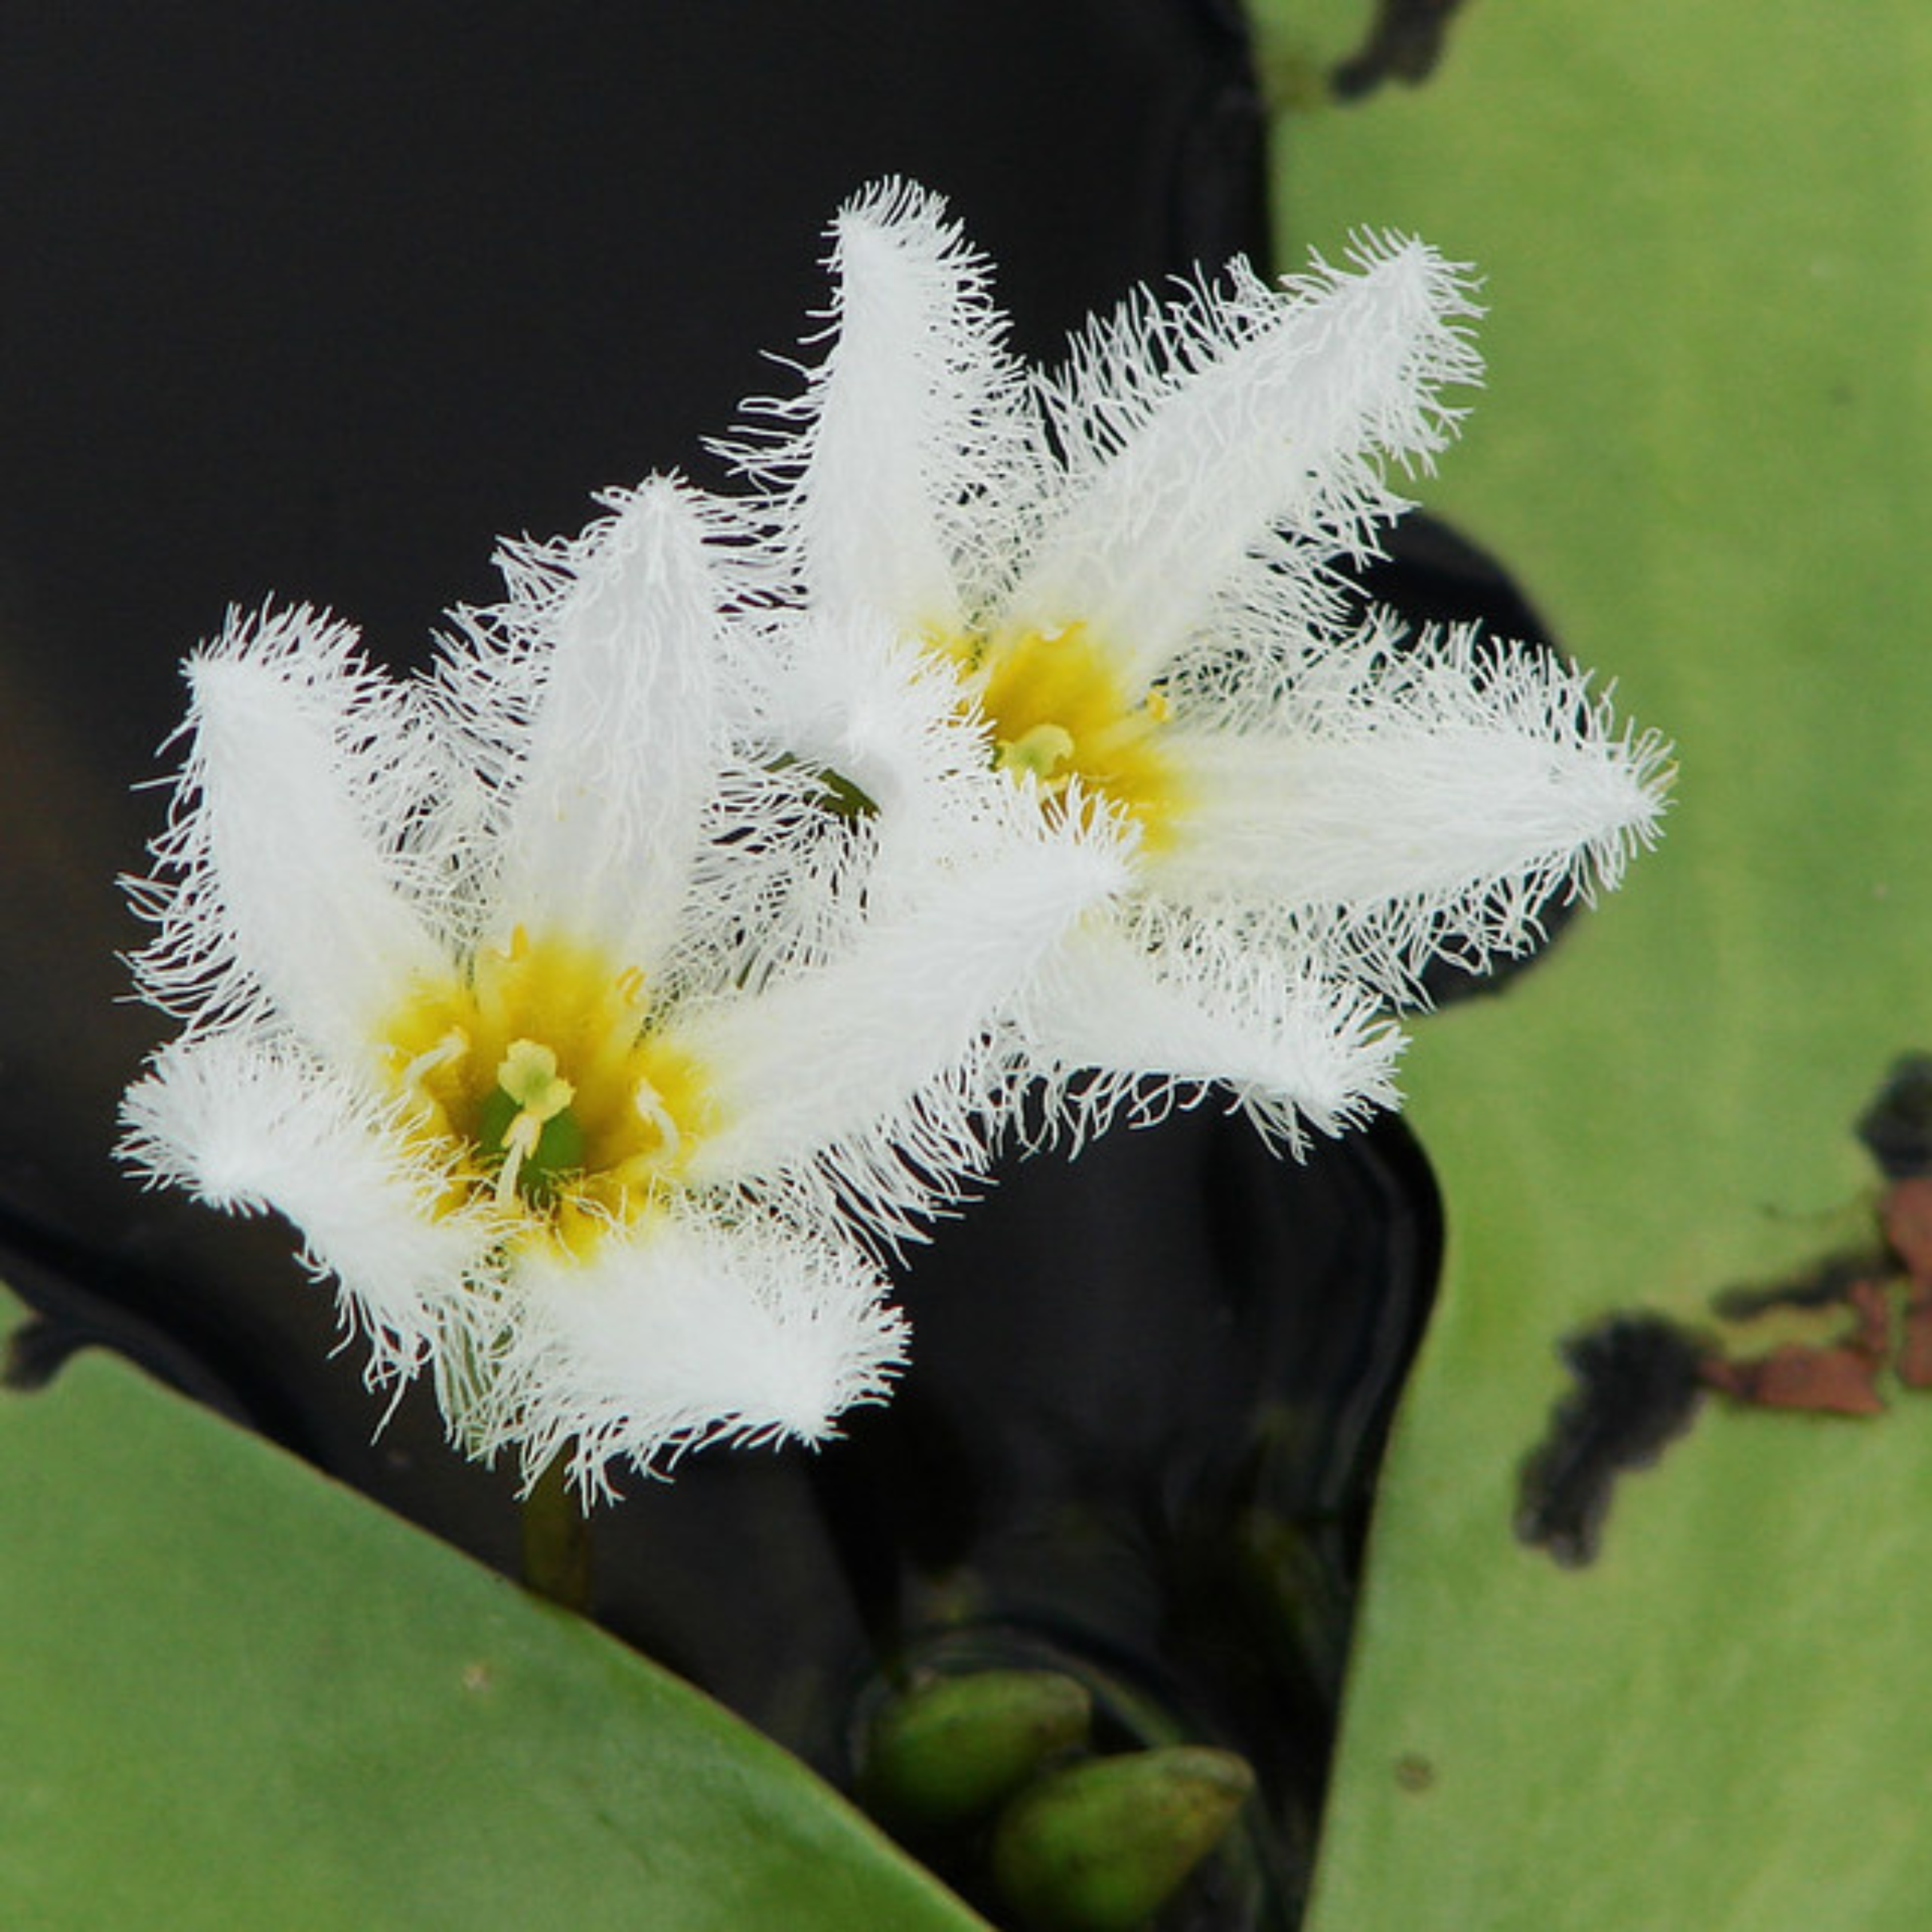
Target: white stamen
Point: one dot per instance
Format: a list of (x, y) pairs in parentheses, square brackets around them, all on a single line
[(453, 1045), (651, 1109)]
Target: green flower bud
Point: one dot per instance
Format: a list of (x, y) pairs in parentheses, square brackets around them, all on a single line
[(952, 1748), (1101, 1845)]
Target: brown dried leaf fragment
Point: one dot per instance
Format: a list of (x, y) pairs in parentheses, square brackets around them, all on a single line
[(1914, 1361), (1838, 1378), (1905, 1215)]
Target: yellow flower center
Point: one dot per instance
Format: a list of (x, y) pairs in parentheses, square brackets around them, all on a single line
[(1058, 710), (537, 1069)]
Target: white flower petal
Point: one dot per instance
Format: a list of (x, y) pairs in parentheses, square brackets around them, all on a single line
[(245, 1128), (1192, 431), (857, 696), (683, 1332), (1419, 801), (872, 1067), (913, 409), (292, 888), (1131, 1015), (622, 747)]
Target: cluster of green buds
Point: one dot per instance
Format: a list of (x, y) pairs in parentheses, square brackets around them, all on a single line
[(993, 1777)]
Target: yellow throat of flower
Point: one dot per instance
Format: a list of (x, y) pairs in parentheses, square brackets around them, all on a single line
[(536, 1071), (1059, 710)]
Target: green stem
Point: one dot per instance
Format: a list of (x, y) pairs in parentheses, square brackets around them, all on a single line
[(557, 1540)]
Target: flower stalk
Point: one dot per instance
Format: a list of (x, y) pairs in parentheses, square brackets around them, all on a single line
[(556, 1539)]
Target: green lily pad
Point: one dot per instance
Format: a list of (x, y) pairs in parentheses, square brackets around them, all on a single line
[(1704, 449), (272, 1704)]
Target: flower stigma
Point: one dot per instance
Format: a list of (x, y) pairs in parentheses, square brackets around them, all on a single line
[(1058, 710), (537, 1069), (528, 1124)]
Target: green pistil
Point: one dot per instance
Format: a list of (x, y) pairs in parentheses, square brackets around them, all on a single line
[(1041, 751), (527, 1126)]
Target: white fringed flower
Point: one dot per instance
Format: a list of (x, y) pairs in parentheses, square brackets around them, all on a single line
[(1128, 569), (590, 1064)]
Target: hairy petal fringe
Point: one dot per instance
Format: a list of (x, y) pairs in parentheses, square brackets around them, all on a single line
[(688, 1331), (873, 1072), (601, 832), (1394, 804), (1144, 1012), (1190, 433), (882, 468), (285, 878), (245, 1127)]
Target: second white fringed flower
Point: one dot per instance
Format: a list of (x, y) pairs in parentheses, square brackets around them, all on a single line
[(1128, 570), (590, 1067)]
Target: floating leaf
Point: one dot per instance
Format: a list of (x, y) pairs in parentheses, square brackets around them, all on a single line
[(273, 1704), (1704, 449)]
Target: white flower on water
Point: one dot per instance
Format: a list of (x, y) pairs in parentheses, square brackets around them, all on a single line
[(590, 1067), (1128, 568)]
